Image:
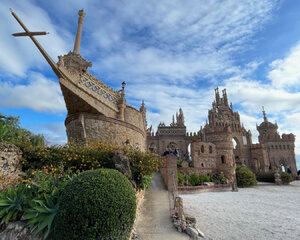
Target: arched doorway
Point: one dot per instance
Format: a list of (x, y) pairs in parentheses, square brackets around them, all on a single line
[(282, 165), (236, 151), (152, 148)]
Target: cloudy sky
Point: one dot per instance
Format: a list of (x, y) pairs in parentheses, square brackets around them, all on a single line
[(171, 53)]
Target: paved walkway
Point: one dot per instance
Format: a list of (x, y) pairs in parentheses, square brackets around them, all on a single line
[(155, 222)]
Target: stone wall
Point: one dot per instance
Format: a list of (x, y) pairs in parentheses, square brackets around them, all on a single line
[(203, 155), (134, 117), (199, 171), (259, 158), (94, 127), (10, 167)]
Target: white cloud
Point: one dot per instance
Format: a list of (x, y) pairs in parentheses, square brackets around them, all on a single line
[(18, 55), (285, 72), (40, 94), (54, 133)]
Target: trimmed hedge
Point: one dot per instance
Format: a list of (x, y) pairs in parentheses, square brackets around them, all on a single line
[(99, 204), (244, 177), (266, 177)]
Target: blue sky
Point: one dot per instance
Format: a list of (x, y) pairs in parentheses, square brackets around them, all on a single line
[(170, 53)]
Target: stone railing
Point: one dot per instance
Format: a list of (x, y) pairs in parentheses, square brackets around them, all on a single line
[(99, 89)]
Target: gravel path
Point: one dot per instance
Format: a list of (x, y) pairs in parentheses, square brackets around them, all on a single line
[(263, 212), (155, 222)]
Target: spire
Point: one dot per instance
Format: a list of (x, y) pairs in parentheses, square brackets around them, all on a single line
[(81, 14), (122, 103), (180, 118), (225, 96), (264, 113), (217, 95), (142, 108)]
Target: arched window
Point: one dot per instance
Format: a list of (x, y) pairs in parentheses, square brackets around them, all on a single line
[(223, 159), (202, 149), (210, 149)]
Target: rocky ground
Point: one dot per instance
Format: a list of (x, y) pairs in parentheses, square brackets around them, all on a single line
[(263, 212)]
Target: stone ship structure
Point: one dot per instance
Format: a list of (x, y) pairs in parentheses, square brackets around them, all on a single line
[(95, 111), (98, 112)]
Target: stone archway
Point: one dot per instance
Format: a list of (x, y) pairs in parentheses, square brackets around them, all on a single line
[(237, 151), (152, 148), (282, 165)]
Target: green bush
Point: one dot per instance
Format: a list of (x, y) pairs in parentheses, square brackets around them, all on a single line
[(286, 178), (11, 132), (266, 177), (218, 178), (245, 178), (99, 204), (79, 158), (145, 183), (194, 179), (180, 179), (179, 163), (204, 178)]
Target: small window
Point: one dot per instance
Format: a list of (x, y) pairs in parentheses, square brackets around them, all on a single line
[(202, 149), (202, 165), (210, 149), (223, 159)]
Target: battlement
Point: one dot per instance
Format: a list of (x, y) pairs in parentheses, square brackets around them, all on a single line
[(288, 137), (257, 146)]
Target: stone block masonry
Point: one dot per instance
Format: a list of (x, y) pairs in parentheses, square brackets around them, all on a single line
[(10, 167)]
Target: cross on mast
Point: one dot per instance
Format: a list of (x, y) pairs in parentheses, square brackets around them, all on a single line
[(31, 35)]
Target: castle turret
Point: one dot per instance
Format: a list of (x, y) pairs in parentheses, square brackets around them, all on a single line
[(225, 99), (122, 102), (217, 94), (267, 130)]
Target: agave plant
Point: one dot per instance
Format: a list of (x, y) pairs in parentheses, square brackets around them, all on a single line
[(12, 203), (41, 213)]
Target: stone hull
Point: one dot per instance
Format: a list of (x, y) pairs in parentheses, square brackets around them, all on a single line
[(95, 127)]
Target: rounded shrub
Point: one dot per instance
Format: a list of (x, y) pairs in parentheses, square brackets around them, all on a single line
[(244, 177), (194, 179), (99, 204), (286, 178)]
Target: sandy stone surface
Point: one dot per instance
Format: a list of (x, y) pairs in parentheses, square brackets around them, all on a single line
[(266, 212)]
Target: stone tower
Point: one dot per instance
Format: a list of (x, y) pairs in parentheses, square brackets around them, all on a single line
[(222, 116), (280, 149)]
